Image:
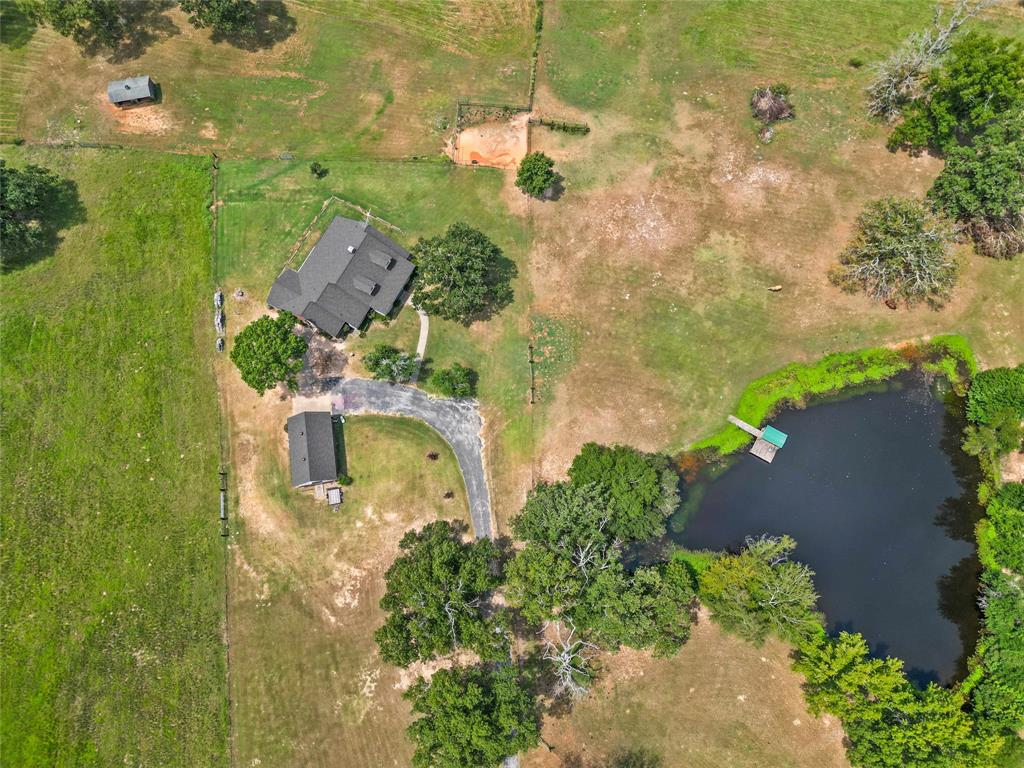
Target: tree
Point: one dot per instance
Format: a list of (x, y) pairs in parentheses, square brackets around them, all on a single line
[(471, 717), (88, 22), (642, 488), (536, 174), (999, 697), (461, 275), (900, 78), (457, 381), (268, 351), (25, 195), (389, 363), (222, 16), (569, 655), (981, 80), (900, 251), (982, 186), (996, 391), (760, 591), (436, 598), (1001, 435)]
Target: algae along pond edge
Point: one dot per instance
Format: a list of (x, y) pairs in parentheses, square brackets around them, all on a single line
[(881, 501)]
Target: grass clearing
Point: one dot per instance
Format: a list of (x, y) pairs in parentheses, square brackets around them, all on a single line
[(308, 686), (113, 595), (353, 78)]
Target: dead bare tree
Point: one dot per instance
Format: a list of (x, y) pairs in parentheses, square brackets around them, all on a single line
[(900, 78), (569, 656)]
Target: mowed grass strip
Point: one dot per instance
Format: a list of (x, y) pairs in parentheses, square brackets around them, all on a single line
[(344, 79), (112, 562), (309, 688)]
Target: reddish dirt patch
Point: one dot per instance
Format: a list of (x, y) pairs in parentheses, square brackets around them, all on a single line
[(144, 120), (493, 144)]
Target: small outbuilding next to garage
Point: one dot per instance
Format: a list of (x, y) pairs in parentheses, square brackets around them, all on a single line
[(311, 448), (131, 91)]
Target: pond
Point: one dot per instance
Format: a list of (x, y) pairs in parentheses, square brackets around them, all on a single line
[(882, 504)]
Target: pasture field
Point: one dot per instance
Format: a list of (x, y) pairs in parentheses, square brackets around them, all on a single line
[(331, 78), (265, 206), (677, 219), (308, 687), (113, 566)]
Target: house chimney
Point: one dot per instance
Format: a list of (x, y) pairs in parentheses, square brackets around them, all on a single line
[(351, 249)]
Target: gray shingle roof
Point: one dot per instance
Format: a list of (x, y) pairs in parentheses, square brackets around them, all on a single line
[(311, 448), (130, 89), (336, 286)]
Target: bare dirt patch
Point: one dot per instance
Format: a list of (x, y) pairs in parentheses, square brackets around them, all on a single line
[(494, 144), (145, 120)]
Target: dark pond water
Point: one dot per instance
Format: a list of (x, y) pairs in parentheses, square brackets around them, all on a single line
[(881, 502)]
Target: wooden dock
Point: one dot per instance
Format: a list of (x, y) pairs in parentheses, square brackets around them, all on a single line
[(762, 448)]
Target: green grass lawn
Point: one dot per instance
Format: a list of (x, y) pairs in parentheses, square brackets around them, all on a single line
[(352, 78), (113, 583), (308, 686)]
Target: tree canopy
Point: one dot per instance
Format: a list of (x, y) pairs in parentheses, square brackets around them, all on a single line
[(982, 186), (471, 717), (456, 381), (642, 488), (436, 598), (88, 22), (268, 351), (25, 195), (900, 252), (461, 275), (760, 591), (981, 79), (222, 16), (536, 174), (996, 391), (386, 362)]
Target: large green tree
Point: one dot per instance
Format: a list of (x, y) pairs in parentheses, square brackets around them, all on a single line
[(89, 22), (761, 591), (994, 392), (900, 252), (981, 80), (222, 16), (461, 275), (25, 195), (642, 488), (536, 174), (436, 598), (456, 381), (982, 186), (386, 362), (471, 717), (268, 351)]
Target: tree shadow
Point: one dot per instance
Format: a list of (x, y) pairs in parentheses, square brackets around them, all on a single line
[(16, 25), (959, 515), (62, 208), (555, 191), (500, 275), (145, 23), (272, 25), (958, 602)]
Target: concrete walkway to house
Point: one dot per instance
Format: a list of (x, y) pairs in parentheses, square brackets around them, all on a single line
[(458, 422), (421, 344)]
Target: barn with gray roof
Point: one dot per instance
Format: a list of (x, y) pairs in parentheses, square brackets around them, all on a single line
[(311, 448), (132, 90), (352, 270)]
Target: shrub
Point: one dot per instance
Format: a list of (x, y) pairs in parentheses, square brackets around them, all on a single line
[(996, 391), (461, 275), (268, 351), (771, 104), (457, 381), (536, 174), (389, 363), (318, 170), (900, 251)]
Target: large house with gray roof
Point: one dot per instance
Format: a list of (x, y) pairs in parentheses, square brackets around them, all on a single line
[(352, 270), (311, 448)]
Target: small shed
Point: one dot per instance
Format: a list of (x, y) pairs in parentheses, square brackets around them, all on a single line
[(131, 91)]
